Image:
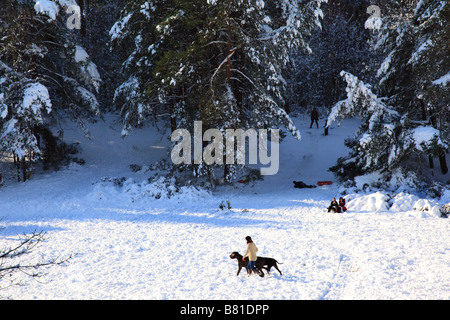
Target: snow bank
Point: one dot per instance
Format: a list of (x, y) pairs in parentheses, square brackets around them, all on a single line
[(402, 202), (129, 191), (374, 202)]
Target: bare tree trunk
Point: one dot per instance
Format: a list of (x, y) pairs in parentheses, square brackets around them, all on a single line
[(173, 123), (226, 169), (84, 7), (443, 162), (24, 169)]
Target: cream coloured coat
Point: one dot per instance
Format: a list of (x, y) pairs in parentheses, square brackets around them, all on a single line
[(251, 251)]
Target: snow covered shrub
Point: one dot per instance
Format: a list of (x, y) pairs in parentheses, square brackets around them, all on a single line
[(252, 175), (162, 188), (135, 167), (225, 205), (55, 152), (445, 210), (117, 182), (23, 112), (153, 188)]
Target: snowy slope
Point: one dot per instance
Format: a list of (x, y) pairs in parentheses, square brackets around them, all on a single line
[(129, 245)]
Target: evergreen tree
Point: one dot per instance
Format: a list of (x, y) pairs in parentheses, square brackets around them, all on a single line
[(97, 18), (221, 62), (412, 82), (44, 74), (343, 43)]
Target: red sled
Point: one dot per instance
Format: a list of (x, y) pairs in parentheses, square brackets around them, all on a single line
[(324, 183)]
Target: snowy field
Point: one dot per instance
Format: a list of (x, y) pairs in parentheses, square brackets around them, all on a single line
[(128, 245)]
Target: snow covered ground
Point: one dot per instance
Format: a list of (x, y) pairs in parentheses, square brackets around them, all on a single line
[(126, 244)]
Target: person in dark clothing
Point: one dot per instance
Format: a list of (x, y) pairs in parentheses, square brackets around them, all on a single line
[(314, 117), (301, 184), (334, 206)]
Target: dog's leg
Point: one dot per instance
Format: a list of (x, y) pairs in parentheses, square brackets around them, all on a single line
[(259, 272), (267, 269), (278, 270)]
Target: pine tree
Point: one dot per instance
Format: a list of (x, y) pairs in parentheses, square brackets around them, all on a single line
[(431, 66), (343, 43), (45, 75), (417, 55), (379, 143), (221, 62), (412, 83)]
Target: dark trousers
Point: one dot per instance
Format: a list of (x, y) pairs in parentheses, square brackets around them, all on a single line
[(314, 120)]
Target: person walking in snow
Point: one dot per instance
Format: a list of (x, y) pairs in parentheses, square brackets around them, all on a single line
[(314, 117), (251, 253)]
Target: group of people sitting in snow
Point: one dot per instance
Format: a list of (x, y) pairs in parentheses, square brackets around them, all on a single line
[(337, 206)]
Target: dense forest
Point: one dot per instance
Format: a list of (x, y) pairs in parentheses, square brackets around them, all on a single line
[(230, 64)]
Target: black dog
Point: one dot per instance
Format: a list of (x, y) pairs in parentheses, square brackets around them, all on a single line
[(261, 263)]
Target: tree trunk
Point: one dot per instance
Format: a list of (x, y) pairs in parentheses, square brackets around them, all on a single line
[(228, 69), (173, 122), (84, 7), (226, 170), (24, 169), (430, 161), (443, 162), (17, 164)]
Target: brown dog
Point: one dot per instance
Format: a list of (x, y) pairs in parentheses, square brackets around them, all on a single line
[(261, 263)]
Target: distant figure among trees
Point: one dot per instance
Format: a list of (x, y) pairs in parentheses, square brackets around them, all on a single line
[(314, 117)]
